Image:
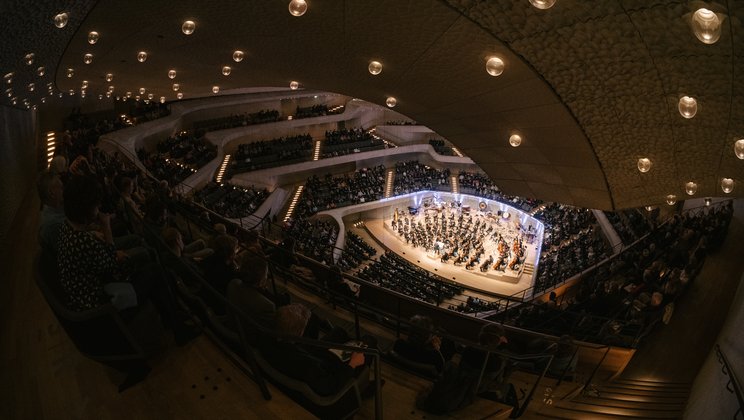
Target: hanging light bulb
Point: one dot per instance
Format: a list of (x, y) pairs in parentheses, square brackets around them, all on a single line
[(495, 66), (687, 106), (215, 89), (515, 140), (649, 208), (88, 58), (142, 91), (8, 77), (40, 71), (226, 70), (691, 188), (92, 37), (297, 7), (162, 99), (141, 56), (84, 85), (706, 25), (150, 96), (188, 27), (727, 185), (60, 20), (70, 73), (179, 95), (238, 56), (31, 87), (644, 164), (109, 77), (171, 74), (293, 85), (542, 4), (391, 102), (29, 58), (707, 201), (739, 148), (176, 86), (671, 199), (374, 67)]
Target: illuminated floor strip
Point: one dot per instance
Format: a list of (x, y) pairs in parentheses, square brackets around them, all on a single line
[(293, 203), (316, 152), (389, 178), (223, 168), (455, 185)]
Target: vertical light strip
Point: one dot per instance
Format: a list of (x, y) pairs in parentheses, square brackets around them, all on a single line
[(51, 143)]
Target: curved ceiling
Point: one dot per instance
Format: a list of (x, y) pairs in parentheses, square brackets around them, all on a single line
[(590, 86)]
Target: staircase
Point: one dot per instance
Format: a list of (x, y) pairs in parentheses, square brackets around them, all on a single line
[(316, 150), (455, 185), (223, 168), (293, 202), (529, 268), (623, 398), (389, 182)]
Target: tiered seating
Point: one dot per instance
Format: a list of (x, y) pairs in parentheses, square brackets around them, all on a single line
[(233, 121), (481, 185), (329, 192), (412, 176), (475, 304), (164, 168), (570, 245), (344, 142), (630, 224), (311, 111), (315, 239), (231, 201), (356, 251), (395, 273), (441, 147), (265, 154), (188, 149)]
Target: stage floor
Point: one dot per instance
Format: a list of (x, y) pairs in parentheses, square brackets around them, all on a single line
[(490, 282)]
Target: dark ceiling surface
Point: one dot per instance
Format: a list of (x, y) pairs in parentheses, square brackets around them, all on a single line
[(591, 86)]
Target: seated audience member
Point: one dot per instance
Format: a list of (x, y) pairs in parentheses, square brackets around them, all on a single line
[(284, 257), (422, 346), (219, 269), (125, 187), (89, 272), (323, 371), (50, 189), (565, 358), (250, 292), (58, 166), (495, 375), (196, 250)]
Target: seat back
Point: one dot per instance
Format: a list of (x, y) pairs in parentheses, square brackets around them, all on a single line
[(99, 334)]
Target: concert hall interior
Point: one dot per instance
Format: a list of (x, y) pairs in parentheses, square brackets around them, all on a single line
[(372, 209)]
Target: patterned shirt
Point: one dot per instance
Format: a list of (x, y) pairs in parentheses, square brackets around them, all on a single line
[(85, 263)]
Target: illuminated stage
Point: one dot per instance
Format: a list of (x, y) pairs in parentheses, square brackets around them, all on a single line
[(502, 221)]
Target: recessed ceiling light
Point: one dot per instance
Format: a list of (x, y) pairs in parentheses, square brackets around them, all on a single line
[(706, 25), (374, 67), (92, 37), (60, 20), (691, 188), (188, 27), (727, 185), (687, 106), (297, 7), (495, 66)]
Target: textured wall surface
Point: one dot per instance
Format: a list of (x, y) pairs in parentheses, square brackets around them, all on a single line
[(17, 164)]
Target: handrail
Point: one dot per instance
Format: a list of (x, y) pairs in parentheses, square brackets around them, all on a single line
[(733, 385)]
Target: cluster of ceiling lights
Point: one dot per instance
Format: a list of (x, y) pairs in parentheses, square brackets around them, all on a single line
[(706, 26)]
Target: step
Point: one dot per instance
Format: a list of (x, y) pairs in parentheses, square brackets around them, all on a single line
[(631, 390), (678, 405), (558, 413), (660, 387), (642, 398), (619, 412), (653, 383)]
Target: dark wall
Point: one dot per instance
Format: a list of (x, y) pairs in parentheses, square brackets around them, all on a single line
[(18, 163)]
